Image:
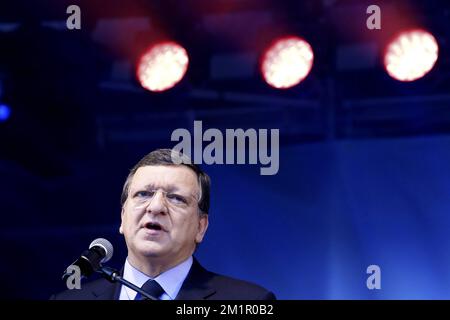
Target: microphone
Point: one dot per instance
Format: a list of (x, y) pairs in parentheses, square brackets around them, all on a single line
[(100, 250)]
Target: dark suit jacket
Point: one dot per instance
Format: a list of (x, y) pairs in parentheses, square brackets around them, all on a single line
[(199, 284)]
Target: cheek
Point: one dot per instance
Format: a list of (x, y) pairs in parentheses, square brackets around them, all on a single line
[(186, 227), (130, 221)]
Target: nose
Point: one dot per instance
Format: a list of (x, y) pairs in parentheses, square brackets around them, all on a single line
[(157, 204)]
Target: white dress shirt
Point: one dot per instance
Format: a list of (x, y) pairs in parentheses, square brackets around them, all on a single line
[(170, 280)]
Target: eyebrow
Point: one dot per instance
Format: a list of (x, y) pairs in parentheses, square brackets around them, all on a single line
[(168, 188)]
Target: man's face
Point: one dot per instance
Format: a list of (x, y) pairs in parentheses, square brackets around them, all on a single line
[(160, 218)]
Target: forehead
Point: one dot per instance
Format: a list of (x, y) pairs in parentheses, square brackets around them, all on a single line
[(180, 177)]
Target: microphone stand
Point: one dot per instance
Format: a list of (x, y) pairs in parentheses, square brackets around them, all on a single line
[(114, 276)]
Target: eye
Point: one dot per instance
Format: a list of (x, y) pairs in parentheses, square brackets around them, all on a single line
[(176, 198), (143, 194)]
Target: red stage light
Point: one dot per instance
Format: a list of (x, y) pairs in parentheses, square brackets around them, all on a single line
[(411, 55), (162, 66), (287, 62)]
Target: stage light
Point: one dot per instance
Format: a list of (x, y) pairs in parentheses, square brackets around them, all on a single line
[(287, 62), (411, 55), (162, 66), (5, 112)]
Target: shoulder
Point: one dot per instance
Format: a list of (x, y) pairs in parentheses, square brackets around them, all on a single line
[(204, 284), (238, 289), (100, 289)]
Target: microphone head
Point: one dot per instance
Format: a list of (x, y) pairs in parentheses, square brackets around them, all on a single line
[(105, 245)]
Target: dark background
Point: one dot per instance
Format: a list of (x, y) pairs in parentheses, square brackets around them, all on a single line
[(364, 160)]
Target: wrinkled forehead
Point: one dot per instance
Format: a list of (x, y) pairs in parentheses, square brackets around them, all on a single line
[(171, 178)]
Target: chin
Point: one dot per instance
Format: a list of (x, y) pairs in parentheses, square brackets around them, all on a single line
[(150, 249)]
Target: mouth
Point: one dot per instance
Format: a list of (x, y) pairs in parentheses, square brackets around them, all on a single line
[(153, 226)]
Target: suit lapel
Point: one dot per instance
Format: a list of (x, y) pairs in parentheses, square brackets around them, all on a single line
[(107, 290), (197, 284)]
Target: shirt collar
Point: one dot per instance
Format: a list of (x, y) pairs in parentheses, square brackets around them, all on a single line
[(170, 280)]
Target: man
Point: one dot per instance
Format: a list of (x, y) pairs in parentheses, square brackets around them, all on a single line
[(165, 205)]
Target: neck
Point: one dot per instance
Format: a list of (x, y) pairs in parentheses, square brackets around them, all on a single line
[(153, 267)]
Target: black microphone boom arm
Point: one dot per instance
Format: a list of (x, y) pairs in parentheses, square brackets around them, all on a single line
[(114, 276)]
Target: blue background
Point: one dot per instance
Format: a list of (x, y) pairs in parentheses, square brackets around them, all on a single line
[(364, 174)]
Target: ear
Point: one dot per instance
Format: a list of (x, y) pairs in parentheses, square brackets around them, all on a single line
[(121, 222), (202, 227)]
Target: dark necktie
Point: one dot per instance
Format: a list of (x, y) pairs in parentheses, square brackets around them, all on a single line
[(152, 288)]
